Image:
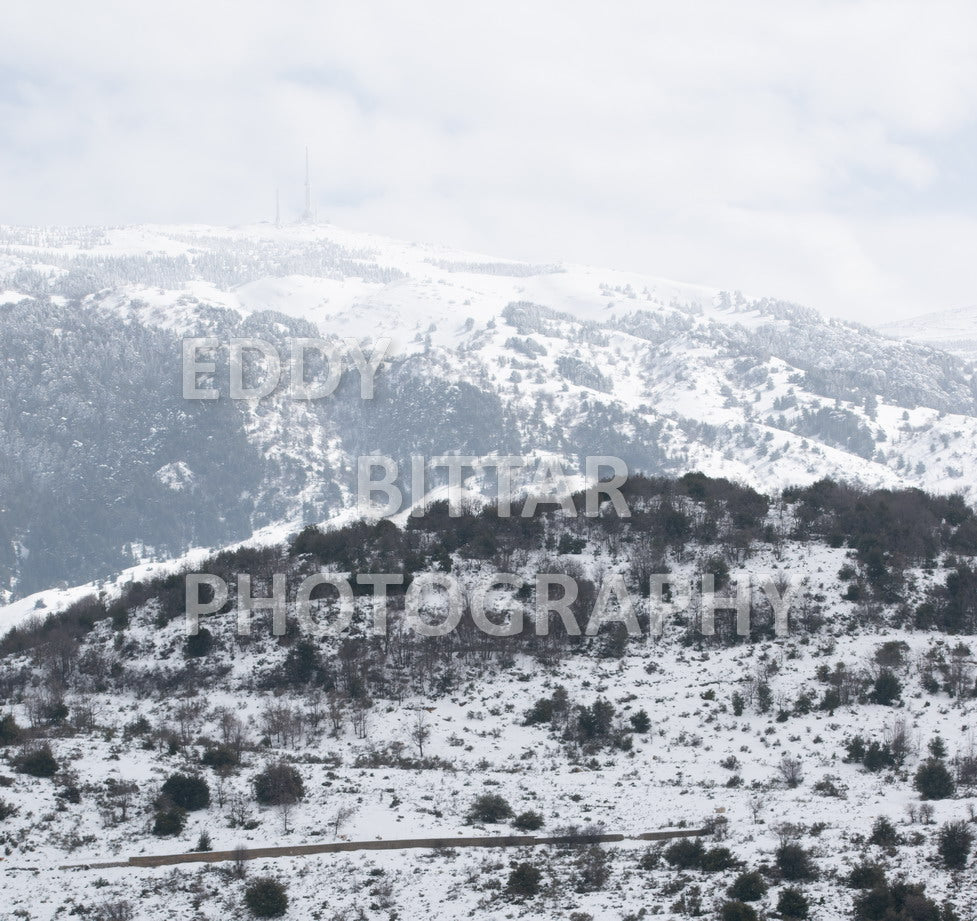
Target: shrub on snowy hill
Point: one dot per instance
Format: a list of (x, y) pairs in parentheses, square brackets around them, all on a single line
[(793, 904), (685, 854), (266, 897), (168, 822), (279, 784), (794, 861), (487, 809), (866, 875), (528, 821), (737, 911), (37, 761), (748, 887), (10, 731), (933, 780), (900, 901), (954, 842), (186, 791), (524, 881)]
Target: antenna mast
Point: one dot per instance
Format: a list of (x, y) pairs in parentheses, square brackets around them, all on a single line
[(307, 216)]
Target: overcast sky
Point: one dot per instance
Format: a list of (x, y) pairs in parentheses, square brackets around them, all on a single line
[(821, 152)]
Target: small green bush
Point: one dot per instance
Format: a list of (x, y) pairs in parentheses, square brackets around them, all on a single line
[(168, 822), (489, 808), (934, 781), (37, 762), (738, 911), (524, 881), (953, 845), (883, 833), (266, 898), (794, 862), (10, 732), (686, 853), (279, 785), (717, 859), (188, 791), (866, 875), (528, 821), (748, 887), (792, 903)]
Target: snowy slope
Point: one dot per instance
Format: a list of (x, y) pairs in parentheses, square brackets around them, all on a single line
[(954, 331), (488, 355)]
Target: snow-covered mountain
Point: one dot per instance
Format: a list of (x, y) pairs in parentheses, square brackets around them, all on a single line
[(104, 465), (954, 331), (807, 755)]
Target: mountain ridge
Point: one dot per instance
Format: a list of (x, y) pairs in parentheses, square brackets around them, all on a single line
[(490, 356)]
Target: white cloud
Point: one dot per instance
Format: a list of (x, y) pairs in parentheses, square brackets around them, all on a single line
[(795, 150)]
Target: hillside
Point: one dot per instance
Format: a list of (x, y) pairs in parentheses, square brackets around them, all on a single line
[(953, 331), (803, 752), (105, 466)]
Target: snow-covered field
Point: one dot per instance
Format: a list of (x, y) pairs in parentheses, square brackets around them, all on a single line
[(697, 762)]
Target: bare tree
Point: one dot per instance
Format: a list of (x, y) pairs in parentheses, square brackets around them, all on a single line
[(238, 811), (791, 771), (119, 797), (238, 861), (419, 731), (315, 711), (341, 817), (359, 718), (334, 710), (187, 714)]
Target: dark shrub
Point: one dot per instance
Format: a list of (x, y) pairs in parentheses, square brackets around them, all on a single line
[(541, 712), (10, 732), (883, 833), (738, 911), (266, 898), (650, 859), (748, 887), (199, 644), (570, 544), (794, 862), (686, 853), (489, 808), (877, 756), (873, 904), (592, 870), (792, 903), (934, 781), (302, 663), (278, 785), (38, 761), (220, 757), (528, 821), (640, 721), (188, 791), (887, 688), (954, 843), (168, 822), (898, 902), (717, 859), (524, 881), (866, 875)]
